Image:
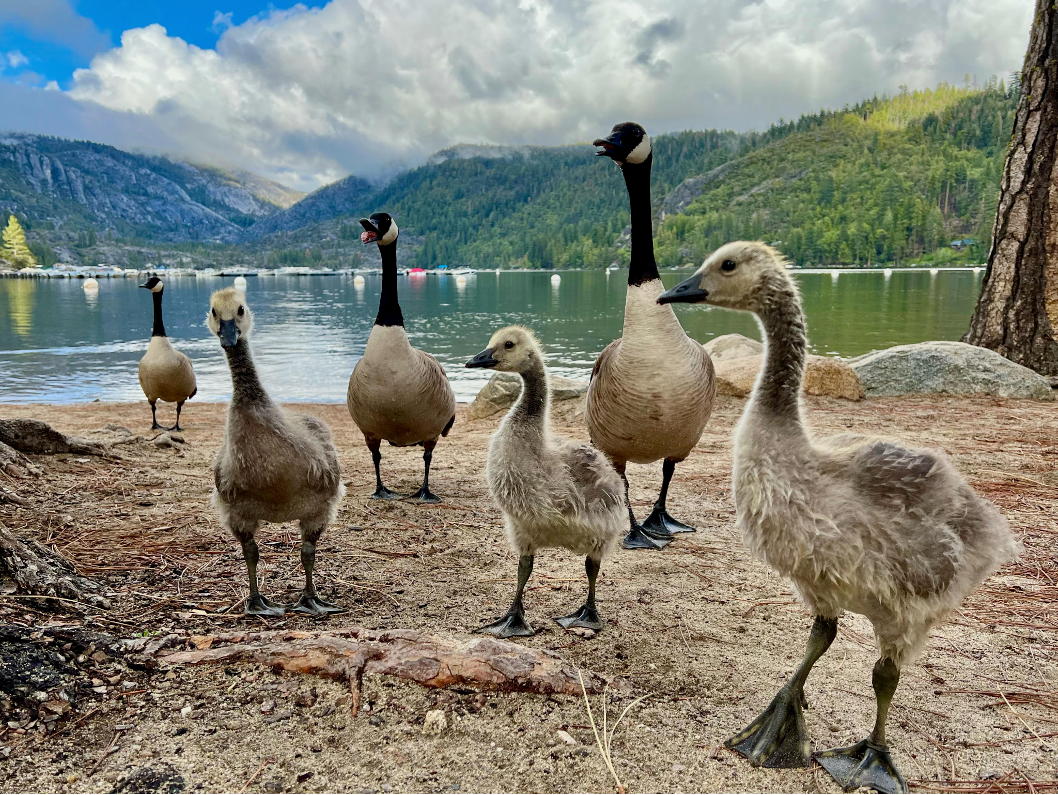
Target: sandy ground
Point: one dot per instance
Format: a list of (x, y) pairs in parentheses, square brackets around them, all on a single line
[(709, 633)]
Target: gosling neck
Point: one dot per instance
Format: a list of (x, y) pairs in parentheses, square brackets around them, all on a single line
[(778, 392), (532, 404), (159, 327), (641, 267), (246, 387), (388, 306)]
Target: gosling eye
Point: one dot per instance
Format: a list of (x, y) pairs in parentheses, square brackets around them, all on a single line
[(508, 345), (241, 312), (728, 265)]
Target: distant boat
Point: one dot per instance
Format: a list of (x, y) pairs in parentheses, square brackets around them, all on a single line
[(291, 271), (416, 271), (463, 271)]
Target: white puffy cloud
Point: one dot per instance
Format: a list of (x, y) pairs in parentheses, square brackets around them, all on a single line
[(309, 95)]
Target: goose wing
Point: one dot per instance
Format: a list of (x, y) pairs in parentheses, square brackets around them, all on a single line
[(592, 480), (324, 469), (603, 363), (438, 397)]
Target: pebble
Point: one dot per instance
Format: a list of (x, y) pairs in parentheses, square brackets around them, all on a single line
[(436, 723), (565, 737), (185, 711), (678, 768), (268, 706), (281, 715), (163, 440), (128, 685)]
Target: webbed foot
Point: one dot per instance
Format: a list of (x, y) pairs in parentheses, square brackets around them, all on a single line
[(864, 764), (382, 493), (175, 428), (258, 605), (314, 606), (156, 427), (660, 523), (777, 737), (424, 495), (638, 538), (512, 625), (586, 617)]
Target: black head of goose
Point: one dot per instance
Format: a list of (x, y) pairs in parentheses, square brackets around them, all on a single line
[(380, 228), (164, 372)]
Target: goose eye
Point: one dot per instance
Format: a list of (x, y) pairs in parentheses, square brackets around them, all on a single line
[(508, 345), (728, 265), (241, 312)]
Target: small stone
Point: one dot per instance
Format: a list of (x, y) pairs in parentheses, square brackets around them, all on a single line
[(185, 711), (268, 706), (101, 690), (128, 685), (98, 683), (316, 748), (678, 768), (170, 675), (303, 777), (114, 680), (582, 632), (436, 723), (72, 778), (163, 440), (179, 730), (284, 714), (565, 737)]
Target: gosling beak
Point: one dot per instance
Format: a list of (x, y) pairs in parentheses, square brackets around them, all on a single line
[(229, 333), (370, 233), (689, 291), (484, 359), (611, 147)]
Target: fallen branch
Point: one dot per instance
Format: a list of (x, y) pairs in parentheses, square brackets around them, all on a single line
[(38, 571), (35, 436), (482, 663)]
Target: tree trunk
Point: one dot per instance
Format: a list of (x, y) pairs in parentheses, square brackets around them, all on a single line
[(1017, 313), (34, 436), (29, 568)]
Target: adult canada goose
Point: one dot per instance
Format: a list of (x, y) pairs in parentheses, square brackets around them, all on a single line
[(553, 493), (272, 466), (857, 523), (397, 393), (165, 373), (651, 391)]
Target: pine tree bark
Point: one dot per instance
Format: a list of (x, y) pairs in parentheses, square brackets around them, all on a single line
[(1017, 312)]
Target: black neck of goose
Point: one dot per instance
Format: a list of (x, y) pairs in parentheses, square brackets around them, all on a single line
[(532, 403), (642, 267), (246, 387), (159, 327), (779, 392), (388, 306)]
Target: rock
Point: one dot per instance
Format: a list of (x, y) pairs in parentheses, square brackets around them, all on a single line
[(163, 440), (823, 376), (953, 368), (157, 777), (565, 737), (436, 723), (503, 389), (186, 711), (733, 346)]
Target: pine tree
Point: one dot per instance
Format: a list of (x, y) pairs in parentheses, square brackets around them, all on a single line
[(15, 249)]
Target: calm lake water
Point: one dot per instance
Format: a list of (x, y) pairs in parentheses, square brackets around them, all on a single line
[(61, 345)]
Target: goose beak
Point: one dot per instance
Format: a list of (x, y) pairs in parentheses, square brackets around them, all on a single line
[(689, 291), (611, 146), (145, 286), (484, 359), (370, 233), (229, 333)]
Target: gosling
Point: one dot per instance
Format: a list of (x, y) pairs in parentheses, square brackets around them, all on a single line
[(272, 466), (553, 493), (857, 523)]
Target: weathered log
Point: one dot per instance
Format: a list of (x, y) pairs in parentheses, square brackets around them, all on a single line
[(482, 663), (35, 436), (38, 571)]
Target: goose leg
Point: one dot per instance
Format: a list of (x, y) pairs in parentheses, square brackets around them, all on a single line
[(587, 616), (177, 427), (777, 737), (867, 763), (424, 494), (638, 537), (154, 416), (660, 523), (256, 605), (309, 602), (513, 624), (381, 492)]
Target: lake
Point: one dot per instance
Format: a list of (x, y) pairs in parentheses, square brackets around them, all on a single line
[(59, 344)]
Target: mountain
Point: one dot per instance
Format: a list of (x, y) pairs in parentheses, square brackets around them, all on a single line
[(74, 186), (338, 199)]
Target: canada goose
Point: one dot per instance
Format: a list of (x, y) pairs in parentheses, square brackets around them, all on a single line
[(397, 393), (165, 373), (272, 466), (553, 493), (652, 390), (857, 523)]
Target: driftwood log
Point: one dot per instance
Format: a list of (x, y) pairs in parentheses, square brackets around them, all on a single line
[(482, 663), (35, 436), (35, 570)]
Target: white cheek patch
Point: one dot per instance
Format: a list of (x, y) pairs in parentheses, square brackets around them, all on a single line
[(157, 288), (390, 235), (640, 153)]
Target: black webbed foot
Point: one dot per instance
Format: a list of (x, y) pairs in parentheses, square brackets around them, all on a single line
[(587, 617), (512, 625), (314, 606), (157, 427), (258, 605), (175, 428), (864, 764), (424, 495), (382, 493), (777, 737), (660, 523), (638, 538)]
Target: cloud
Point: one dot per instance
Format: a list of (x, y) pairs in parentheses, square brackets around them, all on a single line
[(309, 95), (54, 21), (14, 59)]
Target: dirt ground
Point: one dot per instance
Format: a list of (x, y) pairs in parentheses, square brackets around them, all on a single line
[(704, 631)]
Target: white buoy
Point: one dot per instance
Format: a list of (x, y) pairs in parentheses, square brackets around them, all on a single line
[(240, 283), (888, 272), (932, 271), (90, 285), (556, 279), (834, 276), (461, 281), (359, 282)]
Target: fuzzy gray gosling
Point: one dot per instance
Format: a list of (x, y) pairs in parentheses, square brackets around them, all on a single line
[(272, 466), (165, 373), (856, 523), (553, 492)]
